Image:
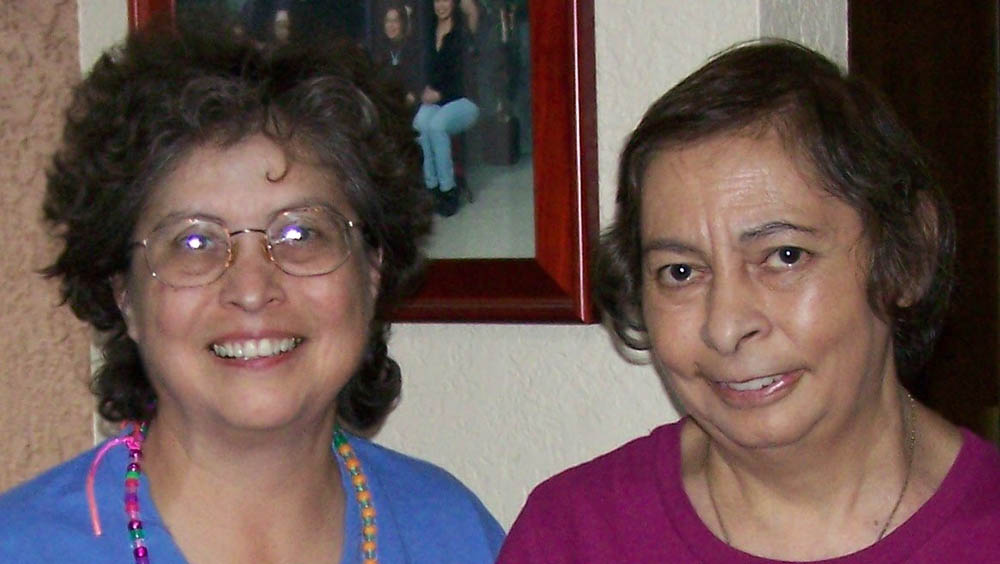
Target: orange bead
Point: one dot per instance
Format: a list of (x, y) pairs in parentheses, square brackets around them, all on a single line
[(368, 512), (364, 496), (369, 530), (352, 464), (368, 546), (344, 449), (370, 561), (358, 480)]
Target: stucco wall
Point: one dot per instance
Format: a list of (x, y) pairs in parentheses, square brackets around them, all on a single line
[(504, 406), (44, 406)]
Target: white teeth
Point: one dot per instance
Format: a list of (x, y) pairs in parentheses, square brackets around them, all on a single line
[(255, 348), (750, 385)]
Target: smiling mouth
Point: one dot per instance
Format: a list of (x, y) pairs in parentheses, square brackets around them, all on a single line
[(255, 348), (752, 385)]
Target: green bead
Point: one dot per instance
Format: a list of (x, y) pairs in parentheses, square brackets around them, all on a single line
[(338, 437), (137, 534), (132, 474)]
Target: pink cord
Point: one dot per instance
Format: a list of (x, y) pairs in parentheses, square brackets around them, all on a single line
[(131, 441), (95, 519)]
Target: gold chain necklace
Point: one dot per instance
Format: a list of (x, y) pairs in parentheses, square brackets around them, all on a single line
[(911, 445)]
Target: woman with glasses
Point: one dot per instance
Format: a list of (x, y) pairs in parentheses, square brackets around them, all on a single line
[(237, 223)]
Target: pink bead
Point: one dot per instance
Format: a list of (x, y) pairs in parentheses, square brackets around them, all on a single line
[(131, 485), (131, 506), (134, 524)]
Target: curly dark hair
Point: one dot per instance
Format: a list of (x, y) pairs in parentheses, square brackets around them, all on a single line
[(858, 150), (171, 88)]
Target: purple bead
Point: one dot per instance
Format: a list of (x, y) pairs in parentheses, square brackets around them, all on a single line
[(134, 524), (133, 467), (141, 552), (131, 497)]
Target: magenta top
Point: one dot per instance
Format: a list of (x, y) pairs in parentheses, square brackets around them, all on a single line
[(630, 506)]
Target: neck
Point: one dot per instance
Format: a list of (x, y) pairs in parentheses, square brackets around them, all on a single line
[(844, 478), (250, 477)]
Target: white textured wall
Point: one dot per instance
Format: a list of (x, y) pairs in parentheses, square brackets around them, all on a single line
[(504, 406), (820, 24), (102, 23)]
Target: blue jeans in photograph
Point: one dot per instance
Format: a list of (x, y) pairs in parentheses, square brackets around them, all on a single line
[(436, 124)]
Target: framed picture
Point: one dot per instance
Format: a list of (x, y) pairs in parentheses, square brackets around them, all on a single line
[(516, 249)]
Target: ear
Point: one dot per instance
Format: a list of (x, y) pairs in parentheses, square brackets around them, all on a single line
[(119, 286), (374, 273), (927, 222)]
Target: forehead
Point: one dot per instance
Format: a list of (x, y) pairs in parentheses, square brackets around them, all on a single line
[(243, 182), (735, 182)]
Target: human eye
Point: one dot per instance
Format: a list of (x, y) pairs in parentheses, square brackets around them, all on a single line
[(786, 257), (676, 274), (298, 233), (196, 238), (308, 228)]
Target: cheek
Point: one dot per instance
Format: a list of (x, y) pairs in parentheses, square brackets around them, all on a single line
[(673, 329), (167, 313), (347, 295)]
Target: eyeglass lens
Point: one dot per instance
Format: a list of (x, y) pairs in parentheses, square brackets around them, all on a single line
[(301, 242)]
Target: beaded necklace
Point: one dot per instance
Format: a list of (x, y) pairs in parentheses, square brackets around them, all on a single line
[(133, 471)]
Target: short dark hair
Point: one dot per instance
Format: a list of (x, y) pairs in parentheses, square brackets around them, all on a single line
[(172, 88), (859, 152)]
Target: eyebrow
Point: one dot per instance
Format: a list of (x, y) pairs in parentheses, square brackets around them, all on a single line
[(752, 234), (773, 227), (194, 214), (669, 246)]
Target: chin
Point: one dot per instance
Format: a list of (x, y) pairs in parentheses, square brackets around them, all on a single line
[(759, 428), (269, 413)]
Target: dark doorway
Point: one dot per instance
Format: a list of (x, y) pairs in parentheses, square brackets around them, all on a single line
[(937, 62)]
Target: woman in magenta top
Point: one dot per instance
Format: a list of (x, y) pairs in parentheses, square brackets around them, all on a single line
[(782, 252)]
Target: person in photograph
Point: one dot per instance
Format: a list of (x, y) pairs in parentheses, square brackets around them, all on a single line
[(445, 108), (396, 51), (781, 250), (237, 222)]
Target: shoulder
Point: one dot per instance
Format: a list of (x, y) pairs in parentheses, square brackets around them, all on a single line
[(959, 523), (582, 514), (48, 490), (48, 515), (978, 469), (623, 469), (434, 511)]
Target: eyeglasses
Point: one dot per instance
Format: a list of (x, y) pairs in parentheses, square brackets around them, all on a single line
[(195, 251)]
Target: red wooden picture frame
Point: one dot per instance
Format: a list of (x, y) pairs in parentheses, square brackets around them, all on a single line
[(554, 286)]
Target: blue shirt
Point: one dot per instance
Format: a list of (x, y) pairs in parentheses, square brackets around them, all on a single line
[(424, 514)]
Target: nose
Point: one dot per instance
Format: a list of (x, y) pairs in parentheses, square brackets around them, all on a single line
[(252, 282), (734, 313)]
